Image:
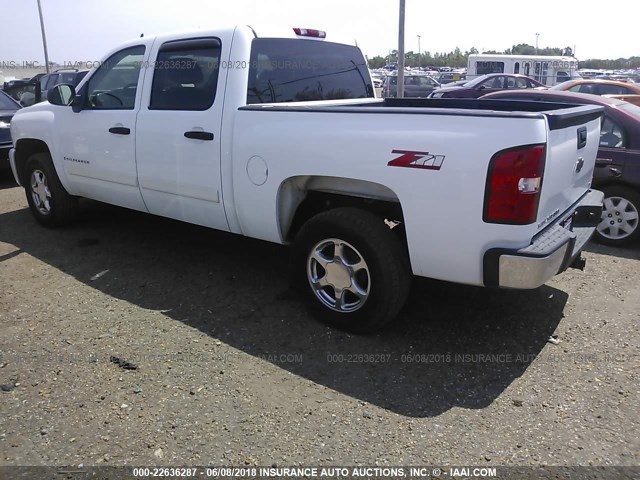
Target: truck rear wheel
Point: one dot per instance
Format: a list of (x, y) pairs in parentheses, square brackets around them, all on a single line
[(49, 202), (620, 216), (352, 268)]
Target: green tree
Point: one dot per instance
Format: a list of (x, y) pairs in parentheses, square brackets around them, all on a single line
[(377, 62)]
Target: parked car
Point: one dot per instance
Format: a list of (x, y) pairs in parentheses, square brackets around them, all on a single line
[(449, 77), (295, 150), (8, 107), (492, 82), (617, 171), (69, 77), (630, 92), (16, 88), (414, 86)]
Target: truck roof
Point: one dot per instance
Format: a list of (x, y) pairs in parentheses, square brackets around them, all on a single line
[(261, 32)]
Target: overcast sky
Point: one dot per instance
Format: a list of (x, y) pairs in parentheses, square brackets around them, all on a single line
[(84, 30)]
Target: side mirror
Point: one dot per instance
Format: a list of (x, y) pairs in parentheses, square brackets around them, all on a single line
[(61, 95)]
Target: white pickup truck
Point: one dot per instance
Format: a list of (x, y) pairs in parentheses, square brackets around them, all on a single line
[(280, 139)]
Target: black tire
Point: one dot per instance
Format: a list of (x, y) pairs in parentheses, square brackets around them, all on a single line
[(619, 200), (61, 206), (386, 275)]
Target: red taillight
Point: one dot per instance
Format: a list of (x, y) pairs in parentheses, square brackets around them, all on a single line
[(307, 32), (513, 185)]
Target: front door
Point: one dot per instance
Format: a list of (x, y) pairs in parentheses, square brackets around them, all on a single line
[(178, 133), (97, 144)]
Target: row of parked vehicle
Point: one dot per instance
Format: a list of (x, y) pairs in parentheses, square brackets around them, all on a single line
[(425, 85)]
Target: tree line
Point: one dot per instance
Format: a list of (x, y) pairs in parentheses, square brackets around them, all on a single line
[(458, 59)]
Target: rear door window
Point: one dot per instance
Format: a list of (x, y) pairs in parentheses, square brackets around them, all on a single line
[(293, 70), (186, 75)]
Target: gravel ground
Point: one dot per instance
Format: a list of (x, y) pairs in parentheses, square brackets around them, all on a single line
[(231, 370)]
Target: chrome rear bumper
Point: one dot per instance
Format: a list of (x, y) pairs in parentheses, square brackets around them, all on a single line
[(552, 252)]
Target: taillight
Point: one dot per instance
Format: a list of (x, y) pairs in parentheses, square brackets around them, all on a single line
[(513, 186), (308, 32)]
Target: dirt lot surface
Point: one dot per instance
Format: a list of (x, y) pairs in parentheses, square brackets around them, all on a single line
[(231, 370)]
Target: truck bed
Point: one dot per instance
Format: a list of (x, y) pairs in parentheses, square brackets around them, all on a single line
[(442, 204), (559, 115)]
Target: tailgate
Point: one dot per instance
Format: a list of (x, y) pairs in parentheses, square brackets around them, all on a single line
[(572, 146)]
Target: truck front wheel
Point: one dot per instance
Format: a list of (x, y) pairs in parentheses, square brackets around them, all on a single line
[(352, 268), (49, 202)]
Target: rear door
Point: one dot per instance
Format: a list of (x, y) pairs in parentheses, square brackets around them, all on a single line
[(412, 87), (178, 132)]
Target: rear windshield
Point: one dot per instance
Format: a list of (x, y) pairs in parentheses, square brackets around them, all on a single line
[(290, 70)]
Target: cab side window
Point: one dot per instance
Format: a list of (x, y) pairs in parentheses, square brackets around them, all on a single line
[(186, 75), (115, 83)]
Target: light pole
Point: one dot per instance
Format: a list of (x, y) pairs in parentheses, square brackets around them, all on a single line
[(401, 51), (537, 35), (44, 38), (419, 54)]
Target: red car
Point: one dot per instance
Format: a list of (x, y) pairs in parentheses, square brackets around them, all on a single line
[(492, 82), (617, 171)]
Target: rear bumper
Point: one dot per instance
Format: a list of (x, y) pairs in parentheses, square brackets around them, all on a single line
[(550, 253)]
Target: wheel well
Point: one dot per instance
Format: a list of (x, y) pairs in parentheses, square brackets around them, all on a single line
[(316, 202), (24, 149)]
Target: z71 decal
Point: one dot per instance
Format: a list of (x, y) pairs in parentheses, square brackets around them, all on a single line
[(411, 159)]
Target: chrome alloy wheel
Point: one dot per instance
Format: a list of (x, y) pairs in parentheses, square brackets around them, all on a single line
[(338, 275), (40, 192), (619, 218)]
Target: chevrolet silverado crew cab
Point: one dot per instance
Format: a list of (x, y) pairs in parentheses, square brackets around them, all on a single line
[(280, 138)]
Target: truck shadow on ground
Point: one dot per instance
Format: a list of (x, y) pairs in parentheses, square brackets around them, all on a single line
[(454, 346), (631, 252), (6, 179)]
